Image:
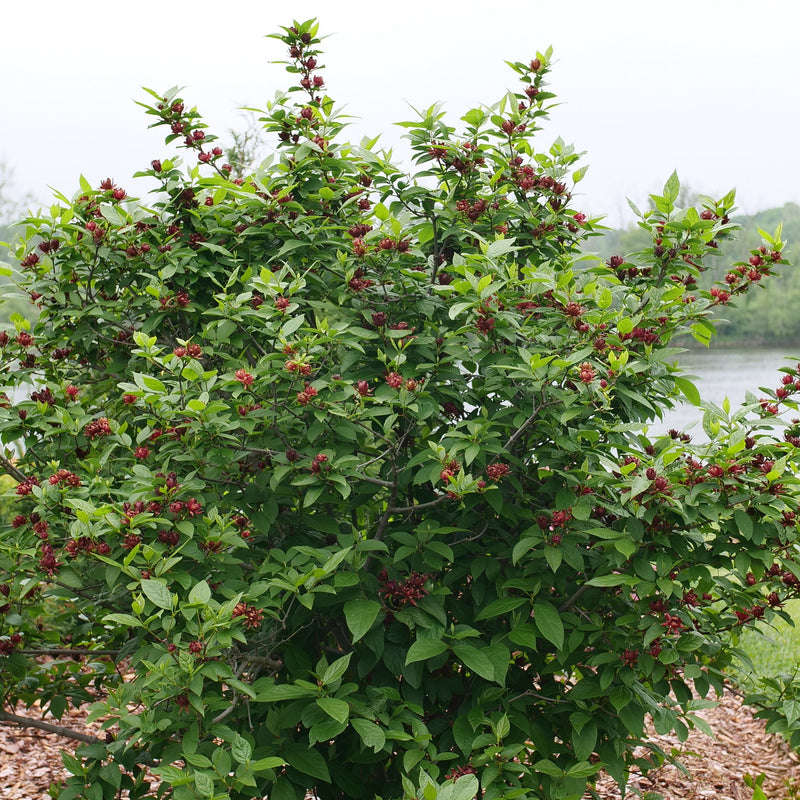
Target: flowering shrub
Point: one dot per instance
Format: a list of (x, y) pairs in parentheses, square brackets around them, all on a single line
[(335, 478)]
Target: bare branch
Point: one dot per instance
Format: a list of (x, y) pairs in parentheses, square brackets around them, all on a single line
[(266, 661), (49, 727), (9, 467), (418, 506), (581, 589), (67, 651), (522, 428), (226, 712), (376, 481)]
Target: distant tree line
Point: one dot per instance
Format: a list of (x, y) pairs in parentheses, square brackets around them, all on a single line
[(764, 317), (12, 209)]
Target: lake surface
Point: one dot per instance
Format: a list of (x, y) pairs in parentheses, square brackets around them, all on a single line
[(726, 372)]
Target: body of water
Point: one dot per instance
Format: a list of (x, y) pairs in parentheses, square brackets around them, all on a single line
[(727, 373)]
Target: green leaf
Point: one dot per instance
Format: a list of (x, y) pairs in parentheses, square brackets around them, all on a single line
[(335, 670), (334, 708), (157, 593), (522, 547), (474, 117), (240, 686), (71, 764), (688, 390), (743, 522), (610, 580), (281, 691), (308, 761), (672, 187), (625, 546), (524, 636), (458, 308), (201, 593), (291, 325), (423, 649), (583, 741), (149, 383), (411, 758), (547, 620), (114, 217), (312, 495), (359, 615), (703, 332), (371, 734), (463, 788), (547, 767), (498, 607), (474, 659), (111, 773), (791, 710), (500, 247), (554, 557), (263, 764), (625, 325), (583, 769), (500, 656), (241, 749), (204, 784), (197, 760), (336, 559), (126, 620)]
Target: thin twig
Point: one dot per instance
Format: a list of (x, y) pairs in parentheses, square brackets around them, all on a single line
[(378, 457), (384, 520)]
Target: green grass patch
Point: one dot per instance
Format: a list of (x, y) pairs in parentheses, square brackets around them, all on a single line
[(773, 648)]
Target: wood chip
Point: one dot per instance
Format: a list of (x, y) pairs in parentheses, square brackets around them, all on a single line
[(30, 760), (718, 766)]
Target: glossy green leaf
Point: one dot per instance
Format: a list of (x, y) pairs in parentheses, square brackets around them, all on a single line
[(336, 709), (360, 616), (548, 621), (423, 649), (474, 659), (157, 593)]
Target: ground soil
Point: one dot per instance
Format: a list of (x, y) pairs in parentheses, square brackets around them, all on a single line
[(30, 760)]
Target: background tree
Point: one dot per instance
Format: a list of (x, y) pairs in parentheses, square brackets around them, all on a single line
[(344, 466), (763, 317), (11, 210)]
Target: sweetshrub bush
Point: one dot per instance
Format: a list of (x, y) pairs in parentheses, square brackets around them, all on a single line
[(335, 478)]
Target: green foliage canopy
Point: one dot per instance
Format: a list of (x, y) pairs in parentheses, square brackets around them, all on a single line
[(335, 475)]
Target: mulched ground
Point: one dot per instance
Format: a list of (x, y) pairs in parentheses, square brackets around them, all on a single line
[(717, 766), (30, 760)]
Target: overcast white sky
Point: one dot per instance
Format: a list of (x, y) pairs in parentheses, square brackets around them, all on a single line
[(707, 87)]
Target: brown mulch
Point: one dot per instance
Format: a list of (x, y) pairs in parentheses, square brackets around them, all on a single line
[(717, 766), (30, 759)]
